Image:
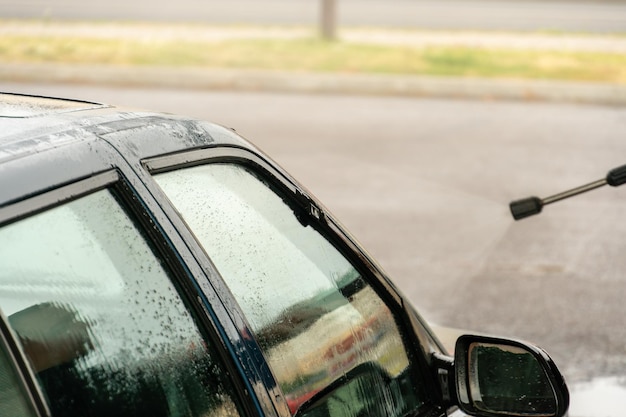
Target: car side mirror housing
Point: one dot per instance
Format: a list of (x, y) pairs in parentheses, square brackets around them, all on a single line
[(500, 377)]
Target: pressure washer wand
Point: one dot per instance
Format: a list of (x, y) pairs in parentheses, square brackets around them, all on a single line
[(532, 205)]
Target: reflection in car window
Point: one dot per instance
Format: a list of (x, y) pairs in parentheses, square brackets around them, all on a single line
[(331, 342), (99, 319), (13, 397)]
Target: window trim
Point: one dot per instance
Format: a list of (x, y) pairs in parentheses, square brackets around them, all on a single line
[(202, 156), (49, 199), (330, 228)]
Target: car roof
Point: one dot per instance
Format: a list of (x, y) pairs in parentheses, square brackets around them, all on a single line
[(26, 116), (33, 124), (46, 142), (22, 106)]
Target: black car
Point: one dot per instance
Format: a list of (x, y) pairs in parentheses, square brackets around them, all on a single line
[(152, 265)]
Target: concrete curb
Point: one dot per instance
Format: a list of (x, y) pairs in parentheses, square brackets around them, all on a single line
[(329, 83)]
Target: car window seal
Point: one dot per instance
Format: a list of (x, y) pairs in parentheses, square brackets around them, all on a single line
[(191, 157)]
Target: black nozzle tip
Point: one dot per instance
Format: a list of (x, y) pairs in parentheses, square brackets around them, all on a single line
[(616, 176), (526, 207)]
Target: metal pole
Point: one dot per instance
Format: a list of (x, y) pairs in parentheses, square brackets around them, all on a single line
[(575, 191), (328, 23)]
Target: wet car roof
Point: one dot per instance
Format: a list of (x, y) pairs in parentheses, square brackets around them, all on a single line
[(23, 106), (34, 124)]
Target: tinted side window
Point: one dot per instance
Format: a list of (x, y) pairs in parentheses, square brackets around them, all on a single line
[(100, 320), (332, 343), (14, 400)]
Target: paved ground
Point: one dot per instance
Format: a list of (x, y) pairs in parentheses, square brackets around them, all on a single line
[(600, 16), (373, 35)]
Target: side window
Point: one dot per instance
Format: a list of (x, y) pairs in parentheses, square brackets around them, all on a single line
[(99, 319), (332, 343), (14, 400)]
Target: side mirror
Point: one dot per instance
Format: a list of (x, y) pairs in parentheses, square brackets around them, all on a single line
[(500, 377)]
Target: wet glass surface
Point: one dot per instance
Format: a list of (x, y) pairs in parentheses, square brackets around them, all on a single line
[(13, 399), (331, 342), (99, 319), (509, 380)]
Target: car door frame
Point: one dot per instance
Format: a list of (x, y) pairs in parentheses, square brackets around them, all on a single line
[(420, 345), (90, 165)]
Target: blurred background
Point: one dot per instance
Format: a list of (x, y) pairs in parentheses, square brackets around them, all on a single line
[(416, 122)]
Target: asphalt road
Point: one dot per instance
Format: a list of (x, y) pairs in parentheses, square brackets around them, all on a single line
[(424, 184), (602, 16)]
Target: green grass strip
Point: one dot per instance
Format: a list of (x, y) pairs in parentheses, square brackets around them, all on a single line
[(317, 55)]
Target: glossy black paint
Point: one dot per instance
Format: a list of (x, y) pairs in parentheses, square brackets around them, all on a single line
[(463, 368)]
